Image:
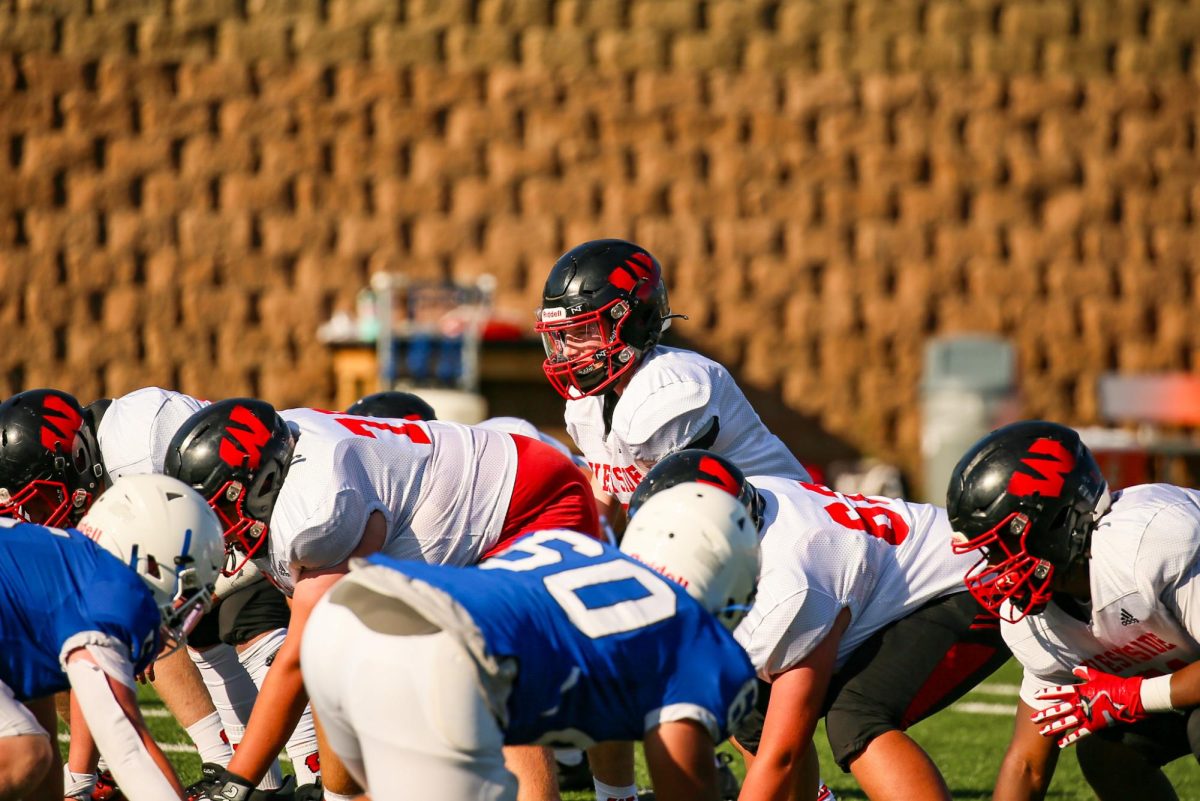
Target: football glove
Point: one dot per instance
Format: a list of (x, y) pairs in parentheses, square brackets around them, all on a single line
[(1099, 701), (209, 775), (221, 785)]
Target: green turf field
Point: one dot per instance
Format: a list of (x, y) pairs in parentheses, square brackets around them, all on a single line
[(966, 741)]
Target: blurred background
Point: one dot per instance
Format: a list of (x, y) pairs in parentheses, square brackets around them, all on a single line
[(898, 222)]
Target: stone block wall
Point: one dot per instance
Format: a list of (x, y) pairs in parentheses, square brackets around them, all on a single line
[(189, 187)]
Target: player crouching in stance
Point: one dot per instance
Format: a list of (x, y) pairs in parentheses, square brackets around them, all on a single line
[(1097, 593), (419, 674), (89, 609), (860, 618)]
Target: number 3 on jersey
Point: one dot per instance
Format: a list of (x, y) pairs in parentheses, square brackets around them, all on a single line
[(861, 513), (601, 598)]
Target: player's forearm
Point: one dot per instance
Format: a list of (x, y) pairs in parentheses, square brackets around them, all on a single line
[(1029, 761), (1184, 687), (278, 708), (1019, 780), (775, 775)]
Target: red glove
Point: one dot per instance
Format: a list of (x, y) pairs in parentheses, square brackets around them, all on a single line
[(1101, 700)]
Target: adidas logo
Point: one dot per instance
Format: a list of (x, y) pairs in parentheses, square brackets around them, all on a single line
[(1128, 619)]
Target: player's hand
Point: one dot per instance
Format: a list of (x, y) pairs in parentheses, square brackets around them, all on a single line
[(1099, 701), (221, 785), (209, 776)]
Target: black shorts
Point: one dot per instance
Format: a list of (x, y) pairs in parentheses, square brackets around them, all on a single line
[(242, 616), (902, 674), (1158, 739)]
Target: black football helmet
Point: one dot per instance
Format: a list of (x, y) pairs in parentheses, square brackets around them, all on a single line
[(236, 453), (603, 307), (394, 404), (1029, 495), (703, 467), (50, 465)]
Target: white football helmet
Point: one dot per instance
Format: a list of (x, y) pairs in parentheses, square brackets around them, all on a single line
[(701, 537), (166, 532)]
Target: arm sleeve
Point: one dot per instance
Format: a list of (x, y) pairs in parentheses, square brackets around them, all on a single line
[(111, 655), (116, 736), (667, 420)]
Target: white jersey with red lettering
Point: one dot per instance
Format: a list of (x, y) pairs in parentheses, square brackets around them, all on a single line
[(442, 488), (675, 399), (1145, 605), (137, 428), (824, 551)]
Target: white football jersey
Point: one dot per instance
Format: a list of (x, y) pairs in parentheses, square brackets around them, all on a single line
[(137, 428), (1145, 605), (443, 489), (822, 551), (672, 400)]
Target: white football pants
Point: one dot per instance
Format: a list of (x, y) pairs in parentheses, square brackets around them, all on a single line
[(405, 713)]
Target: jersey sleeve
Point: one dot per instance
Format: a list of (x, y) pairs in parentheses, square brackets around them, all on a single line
[(1167, 564), (788, 632), (332, 532), (1032, 682), (668, 419), (712, 683), (138, 427), (1183, 599)]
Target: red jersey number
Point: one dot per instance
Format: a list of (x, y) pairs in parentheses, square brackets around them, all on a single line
[(861, 513), (363, 426)]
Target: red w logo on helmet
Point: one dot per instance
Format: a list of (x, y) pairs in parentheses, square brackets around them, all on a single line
[(61, 424), (249, 440), (1050, 463), (716, 474), (638, 268)]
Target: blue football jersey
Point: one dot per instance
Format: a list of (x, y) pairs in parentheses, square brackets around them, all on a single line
[(606, 648), (55, 584)]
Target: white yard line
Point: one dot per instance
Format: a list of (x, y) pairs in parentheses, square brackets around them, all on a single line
[(975, 708), (173, 748), (969, 707)]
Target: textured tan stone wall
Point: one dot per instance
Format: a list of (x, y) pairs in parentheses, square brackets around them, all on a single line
[(188, 187)]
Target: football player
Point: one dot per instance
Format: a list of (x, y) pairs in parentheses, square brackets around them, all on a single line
[(304, 491), (55, 459), (89, 609), (861, 618), (233, 647), (1099, 595), (630, 400), (421, 673)]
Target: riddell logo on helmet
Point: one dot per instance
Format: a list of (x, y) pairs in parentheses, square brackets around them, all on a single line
[(89, 531), (62, 423), (1050, 463), (553, 315), (246, 444), (664, 570)]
